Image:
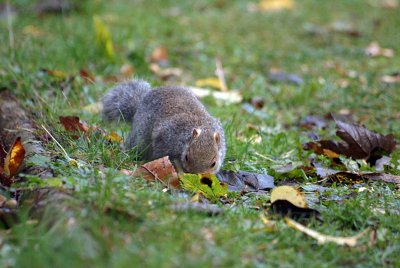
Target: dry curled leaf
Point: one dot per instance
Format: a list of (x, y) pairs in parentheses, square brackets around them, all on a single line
[(114, 137), (348, 177), (245, 181), (165, 73), (287, 200), (391, 79), (73, 124), (14, 158), (54, 73), (212, 82), (275, 5), (87, 76), (375, 50), (160, 169), (358, 143), (159, 55)]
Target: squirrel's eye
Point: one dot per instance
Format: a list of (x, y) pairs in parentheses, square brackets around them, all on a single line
[(213, 164)]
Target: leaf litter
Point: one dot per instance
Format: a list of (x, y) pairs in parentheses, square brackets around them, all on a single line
[(357, 142)]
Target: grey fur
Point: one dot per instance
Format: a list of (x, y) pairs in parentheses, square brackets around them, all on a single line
[(163, 123), (121, 102)]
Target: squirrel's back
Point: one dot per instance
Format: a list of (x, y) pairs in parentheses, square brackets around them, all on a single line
[(123, 101)]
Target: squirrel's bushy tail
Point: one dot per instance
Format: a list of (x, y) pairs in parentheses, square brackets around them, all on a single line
[(123, 100)]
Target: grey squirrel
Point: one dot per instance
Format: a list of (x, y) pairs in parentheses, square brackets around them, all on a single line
[(169, 121)]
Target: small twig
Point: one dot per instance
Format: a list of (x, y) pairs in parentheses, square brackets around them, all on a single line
[(58, 144), (265, 157), (219, 71), (350, 241)]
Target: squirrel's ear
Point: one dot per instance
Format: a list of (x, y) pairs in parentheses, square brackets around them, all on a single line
[(196, 132), (217, 137)]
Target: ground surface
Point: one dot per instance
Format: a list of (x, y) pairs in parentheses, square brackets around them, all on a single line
[(118, 221)]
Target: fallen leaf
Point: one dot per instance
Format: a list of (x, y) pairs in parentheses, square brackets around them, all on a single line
[(257, 102), (229, 97), (389, 4), (313, 121), (159, 55), (212, 82), (14, 158), (276, 75), (160, 169), (287, 200), (89, 77), (165, 73), (127, 70), (114, 137), (73, 124), (348, 177), (289, 194), (345, 28), (54, 73), (374, 50), (391, 79), (350, 241), (32, 30), (358, 143), (275, 5), (206, 184), (94, 108), (245, 181), (103, 38)]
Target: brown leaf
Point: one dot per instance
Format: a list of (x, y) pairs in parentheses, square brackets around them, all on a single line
[(127, 70), (391, 79), (165, 73), (159, 55), (89, 77), (313, 121), (73, 124), (358, 142), (390, 4), (348, 177), (245, 181), (14, 158), (375, 50), (54, 73), (257, 102), (160, 169)]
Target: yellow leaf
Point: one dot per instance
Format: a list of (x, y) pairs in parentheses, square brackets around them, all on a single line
[(93, 108), (114, 137), (206, 184), (103, 38), (209, 82), (14, 158), (275, 5), (32, 30), (290, 194)]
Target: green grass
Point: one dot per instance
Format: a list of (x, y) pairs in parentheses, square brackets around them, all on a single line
[(119, 221)]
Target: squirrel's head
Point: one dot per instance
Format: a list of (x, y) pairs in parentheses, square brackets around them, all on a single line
[(202, 153)]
